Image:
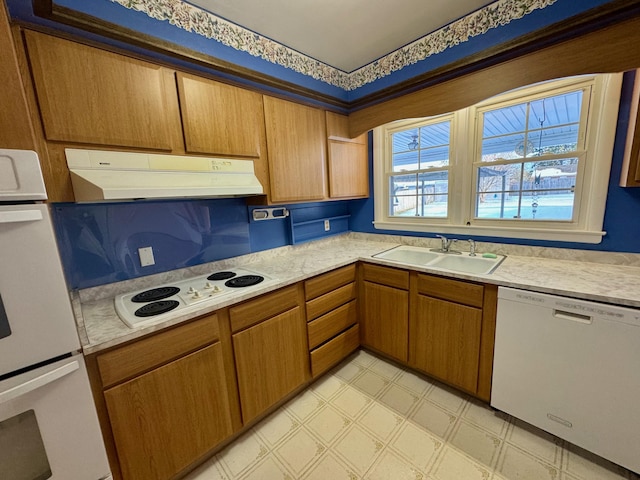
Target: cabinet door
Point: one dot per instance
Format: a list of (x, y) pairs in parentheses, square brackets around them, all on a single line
[(296, 145), (385, 320), (220, 119), (272, 360), (445, 341), (15, 123), (348, 160), (88, 95), (166, 419), (348, 170)]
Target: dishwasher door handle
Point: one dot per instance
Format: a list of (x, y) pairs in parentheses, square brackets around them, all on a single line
[(572, 316)]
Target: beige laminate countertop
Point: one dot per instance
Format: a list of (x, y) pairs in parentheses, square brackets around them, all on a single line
[(582, 276)]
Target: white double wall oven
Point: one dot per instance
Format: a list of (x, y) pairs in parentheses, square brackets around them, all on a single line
[(48, 423)]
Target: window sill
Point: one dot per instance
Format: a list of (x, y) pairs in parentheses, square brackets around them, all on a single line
[(556, 235)]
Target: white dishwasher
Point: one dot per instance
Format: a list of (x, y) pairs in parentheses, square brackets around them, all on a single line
[(572, 368)]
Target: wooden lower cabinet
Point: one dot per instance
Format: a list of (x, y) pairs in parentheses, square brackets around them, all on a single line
[(272, 360), (451, 331), (334, 351), (169, 399), (445, 341), (384, 324), (332, 316), (166, 419)]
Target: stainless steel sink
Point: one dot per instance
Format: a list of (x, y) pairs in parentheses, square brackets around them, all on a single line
[(424, 257)]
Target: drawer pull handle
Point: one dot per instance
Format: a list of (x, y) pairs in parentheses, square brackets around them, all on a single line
[(561, 421)]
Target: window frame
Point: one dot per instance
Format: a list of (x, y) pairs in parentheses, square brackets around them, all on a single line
[(417, 123), (593, 176)]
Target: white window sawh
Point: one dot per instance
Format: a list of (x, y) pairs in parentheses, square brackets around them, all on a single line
[(532, 163)]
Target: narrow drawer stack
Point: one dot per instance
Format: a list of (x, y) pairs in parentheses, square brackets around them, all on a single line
[(332, 317)]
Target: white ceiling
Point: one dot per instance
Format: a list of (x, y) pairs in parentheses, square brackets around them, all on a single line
[(345, 34)]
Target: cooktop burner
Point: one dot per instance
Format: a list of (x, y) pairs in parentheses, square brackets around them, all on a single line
[(244, 281), (221, 275), (186, 296), (154, 294), (156, 308)]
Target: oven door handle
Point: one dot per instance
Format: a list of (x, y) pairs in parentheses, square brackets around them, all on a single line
[(15, 216), (15, 391)]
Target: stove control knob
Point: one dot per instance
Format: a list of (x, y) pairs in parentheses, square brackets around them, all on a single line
[(208, 285), (196, 294), (192, 290), (216, 288)]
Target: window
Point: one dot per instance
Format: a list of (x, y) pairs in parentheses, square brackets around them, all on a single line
[(419, 182), (532, 163)]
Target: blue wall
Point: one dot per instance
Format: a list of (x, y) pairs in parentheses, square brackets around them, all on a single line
[(99, 242), (622, 215)]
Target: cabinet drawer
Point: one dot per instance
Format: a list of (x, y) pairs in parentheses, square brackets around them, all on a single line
[(391, 277), (453, 290), (325, 327), (262, 308), (329, 301), (329, 354), (329, 281), (150, 352)]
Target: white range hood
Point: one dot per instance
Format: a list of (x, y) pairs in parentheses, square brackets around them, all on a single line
[(99, 175)]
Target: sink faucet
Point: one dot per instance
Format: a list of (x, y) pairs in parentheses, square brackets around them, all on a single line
[(472, 248), (446, 243)]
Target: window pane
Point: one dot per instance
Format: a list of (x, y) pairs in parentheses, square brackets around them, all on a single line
[(435, 135), (528, 191), (505, 120), (557, 140), (540, 127), (422, 195), (403, 162), (551, 174), (405, 141), (434, 157), (497, 205), (547, 205), (558, 110), (433, 190), (504, 148), (499, 178)]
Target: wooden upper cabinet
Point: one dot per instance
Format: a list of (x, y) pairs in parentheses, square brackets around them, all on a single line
[(348, 160), (220, 119), (296, 142), (630, 174), (338, 129), (88, 95), (15, 123)]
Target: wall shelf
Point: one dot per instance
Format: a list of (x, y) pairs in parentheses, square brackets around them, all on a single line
[(306, 231)]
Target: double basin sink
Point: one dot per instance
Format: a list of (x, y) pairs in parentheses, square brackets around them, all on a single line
[(451, 261)]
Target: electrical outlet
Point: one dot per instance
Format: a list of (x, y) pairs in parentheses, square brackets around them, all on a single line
[(146, 256), (327, 226)]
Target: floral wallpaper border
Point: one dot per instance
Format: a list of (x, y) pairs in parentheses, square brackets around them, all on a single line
[(199, 21)]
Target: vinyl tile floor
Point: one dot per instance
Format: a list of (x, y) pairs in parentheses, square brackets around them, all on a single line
[(369, 419)]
